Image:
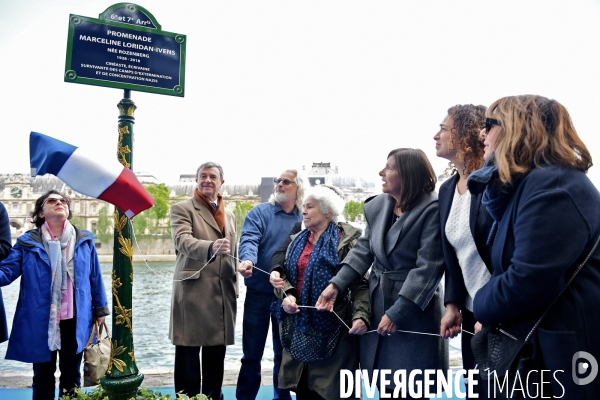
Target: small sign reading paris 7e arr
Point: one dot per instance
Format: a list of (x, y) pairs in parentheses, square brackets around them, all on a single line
[(125, 48)]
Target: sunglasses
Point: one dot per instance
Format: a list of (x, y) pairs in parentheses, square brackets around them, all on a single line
[(53, 201), (489, 122), (284, 181)]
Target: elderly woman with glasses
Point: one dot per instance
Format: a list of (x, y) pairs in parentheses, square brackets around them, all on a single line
[(317, 345), (546, 222), (61, 295)]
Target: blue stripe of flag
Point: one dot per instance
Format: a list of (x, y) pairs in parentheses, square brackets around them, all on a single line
[(47, 155)]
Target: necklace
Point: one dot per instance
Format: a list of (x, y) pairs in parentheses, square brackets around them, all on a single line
[(395, 217)]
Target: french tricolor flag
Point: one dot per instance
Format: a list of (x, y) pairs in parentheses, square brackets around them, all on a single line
[(106, 180)]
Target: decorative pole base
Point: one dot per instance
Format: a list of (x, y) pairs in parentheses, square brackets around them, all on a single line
[(123, 388)]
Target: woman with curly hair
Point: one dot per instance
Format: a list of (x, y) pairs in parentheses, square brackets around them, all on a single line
[(465, 223)]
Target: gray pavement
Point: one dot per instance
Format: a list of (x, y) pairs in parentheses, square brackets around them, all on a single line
[(164, 377), (152, 378)]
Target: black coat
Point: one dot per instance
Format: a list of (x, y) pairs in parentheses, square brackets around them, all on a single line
[(550, 224), (5, 246)]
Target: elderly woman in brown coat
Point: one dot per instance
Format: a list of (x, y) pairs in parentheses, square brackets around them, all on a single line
[(318, 345)]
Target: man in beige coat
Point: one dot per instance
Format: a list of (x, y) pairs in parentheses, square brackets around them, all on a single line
[(203, 303)]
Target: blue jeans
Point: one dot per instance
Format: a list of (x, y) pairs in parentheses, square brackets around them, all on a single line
[(69, 364), (257, 315)]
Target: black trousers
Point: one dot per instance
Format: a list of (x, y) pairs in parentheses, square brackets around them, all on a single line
[(69, 363), (468, 323), (188, 373)]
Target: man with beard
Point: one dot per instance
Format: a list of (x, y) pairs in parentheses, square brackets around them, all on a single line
[(203, 303), (266, 227)]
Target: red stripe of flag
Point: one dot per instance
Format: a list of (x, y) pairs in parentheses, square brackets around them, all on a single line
[(128, 194)]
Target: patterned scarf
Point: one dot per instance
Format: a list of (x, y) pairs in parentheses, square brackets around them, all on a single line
[(58, 253), (323, 265), (219, 213)]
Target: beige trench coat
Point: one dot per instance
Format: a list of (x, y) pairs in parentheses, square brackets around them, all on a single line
[(203, 306)]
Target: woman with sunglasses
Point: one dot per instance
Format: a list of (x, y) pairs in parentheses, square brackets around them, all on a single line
[(402, 247), (464, 222), (546, 221), (61, 295)]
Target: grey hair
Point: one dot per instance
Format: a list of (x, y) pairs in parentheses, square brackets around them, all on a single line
[(211, 164), (329, 200), (299, 188)]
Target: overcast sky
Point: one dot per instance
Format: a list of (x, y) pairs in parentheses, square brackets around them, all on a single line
[(272, 85)]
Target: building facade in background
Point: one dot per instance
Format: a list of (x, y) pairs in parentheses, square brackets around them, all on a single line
[(18, 193), (21, 191)]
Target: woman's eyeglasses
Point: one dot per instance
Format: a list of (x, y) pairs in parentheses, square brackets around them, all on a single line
[(284, 181), (54, 201), (489, 122)]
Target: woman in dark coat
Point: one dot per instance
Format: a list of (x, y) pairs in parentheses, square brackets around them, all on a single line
[(5, 245), (465, 223), (547, 219), (313, 257), (402, 244)]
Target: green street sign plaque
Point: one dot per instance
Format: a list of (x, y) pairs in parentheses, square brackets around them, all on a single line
[(125, 48)]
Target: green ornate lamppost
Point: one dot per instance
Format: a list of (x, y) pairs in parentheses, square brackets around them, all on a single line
[(124, 48), (123, 377)]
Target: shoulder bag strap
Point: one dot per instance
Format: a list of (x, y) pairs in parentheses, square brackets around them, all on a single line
[(94, 330), (106, 328), (565, 288)]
